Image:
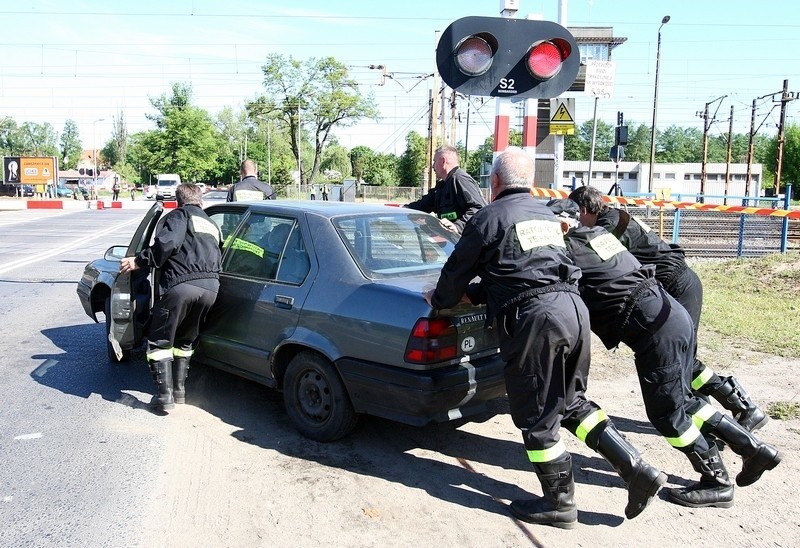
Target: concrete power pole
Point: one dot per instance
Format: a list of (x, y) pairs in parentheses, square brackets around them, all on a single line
[(785, 98), (750, 149), (706, 126), (728, 163)]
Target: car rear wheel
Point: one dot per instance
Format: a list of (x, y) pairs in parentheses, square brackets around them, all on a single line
[(112, 356), (316, 399)]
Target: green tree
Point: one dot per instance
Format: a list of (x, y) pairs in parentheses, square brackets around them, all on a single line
[(115, 152), (71, 147), (360, 158), (312, 98), (336, 159), (790, 162), (37, 139), (412, 163), (579, 146), (382, 170), (185, 140)]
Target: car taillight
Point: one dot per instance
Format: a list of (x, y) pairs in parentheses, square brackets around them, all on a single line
[(432, 340)]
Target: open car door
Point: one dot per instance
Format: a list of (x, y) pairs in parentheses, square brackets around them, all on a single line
[(128, 308)]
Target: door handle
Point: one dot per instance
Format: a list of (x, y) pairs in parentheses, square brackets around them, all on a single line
[(283, 301)]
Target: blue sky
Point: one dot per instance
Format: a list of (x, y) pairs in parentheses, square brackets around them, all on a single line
[(87, 60)]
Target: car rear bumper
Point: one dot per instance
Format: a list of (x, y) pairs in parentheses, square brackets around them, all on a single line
[(422, 397)]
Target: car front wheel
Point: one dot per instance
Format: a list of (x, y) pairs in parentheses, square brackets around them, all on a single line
[(112, 356), (316, 399)]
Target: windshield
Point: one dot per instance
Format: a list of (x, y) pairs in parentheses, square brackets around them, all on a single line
[(167, 182), (394, 245)]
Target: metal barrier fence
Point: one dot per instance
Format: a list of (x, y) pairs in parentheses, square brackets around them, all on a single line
[(702, 233), (715, 234)]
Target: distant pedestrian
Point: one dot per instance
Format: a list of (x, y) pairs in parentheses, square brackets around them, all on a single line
[(325, 191), (133, 193), (115, 190), (313, 193)]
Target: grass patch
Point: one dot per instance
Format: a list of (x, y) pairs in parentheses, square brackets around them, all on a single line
[(784, 410), (754, 300)]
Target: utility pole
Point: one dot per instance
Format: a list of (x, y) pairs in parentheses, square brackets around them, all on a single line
[(785, 98), (750, 150), (728, 164), (706, 126), (453, 116)]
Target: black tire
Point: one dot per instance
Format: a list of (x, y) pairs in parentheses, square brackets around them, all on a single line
[(316, 399), (112, 356)]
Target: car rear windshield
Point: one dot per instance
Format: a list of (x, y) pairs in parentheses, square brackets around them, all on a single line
[(403, 244)]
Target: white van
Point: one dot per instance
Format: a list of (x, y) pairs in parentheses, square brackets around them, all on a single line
[(166, 185)]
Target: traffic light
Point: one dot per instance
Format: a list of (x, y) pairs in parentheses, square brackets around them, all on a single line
[(506, 57)]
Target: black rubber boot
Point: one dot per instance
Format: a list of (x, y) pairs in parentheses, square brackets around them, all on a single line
[(733, 397), (714, 488), (643, 480), (162, 375), (557, 507), (757, 457), (181, 368)]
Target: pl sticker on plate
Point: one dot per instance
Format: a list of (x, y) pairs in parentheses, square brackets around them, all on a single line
[(468, 344)]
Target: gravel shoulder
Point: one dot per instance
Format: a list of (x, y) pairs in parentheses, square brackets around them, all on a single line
[(236, 473)]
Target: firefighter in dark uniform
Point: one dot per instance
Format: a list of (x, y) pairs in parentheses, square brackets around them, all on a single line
[(456, 196), (627, 304), (250, 188), (186, 249), (530, 286), (682, 283)]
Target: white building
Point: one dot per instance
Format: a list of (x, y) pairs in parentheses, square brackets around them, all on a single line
[(680, 182)]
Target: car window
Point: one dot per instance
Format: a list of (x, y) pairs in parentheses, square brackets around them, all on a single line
[(258, 246), (395, 245), (227, 223), (294, 264)]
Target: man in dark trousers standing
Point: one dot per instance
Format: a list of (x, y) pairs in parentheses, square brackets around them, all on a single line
[(530, 285), (627, 304), (186, 249), (456, 196), (250, 188), (678, 280)]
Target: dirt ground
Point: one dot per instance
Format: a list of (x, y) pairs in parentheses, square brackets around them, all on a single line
[(237, 474)]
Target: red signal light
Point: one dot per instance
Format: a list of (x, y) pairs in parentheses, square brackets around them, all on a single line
[(546, 58)]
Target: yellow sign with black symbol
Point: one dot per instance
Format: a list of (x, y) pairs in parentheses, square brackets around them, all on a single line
[(562, 116)]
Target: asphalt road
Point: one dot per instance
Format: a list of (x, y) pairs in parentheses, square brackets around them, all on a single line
[(76, 440)]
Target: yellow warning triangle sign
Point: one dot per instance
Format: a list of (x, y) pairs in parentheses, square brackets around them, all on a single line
[(562, 114)]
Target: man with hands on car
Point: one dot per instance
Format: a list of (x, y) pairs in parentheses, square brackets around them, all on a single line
[(516, 246), (187, 252)]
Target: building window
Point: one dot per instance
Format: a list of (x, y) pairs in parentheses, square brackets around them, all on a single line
[(670, 176), (687, 176), (633, 176), (606, 175), (597, 52)]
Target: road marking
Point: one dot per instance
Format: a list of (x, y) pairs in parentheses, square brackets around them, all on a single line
[(28, 436), (57, 251)]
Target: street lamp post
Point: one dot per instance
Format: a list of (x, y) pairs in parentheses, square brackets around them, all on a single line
[(94, 150), (664, 21)]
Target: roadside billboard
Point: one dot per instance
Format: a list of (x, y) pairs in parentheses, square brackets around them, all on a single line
[(30, 170)]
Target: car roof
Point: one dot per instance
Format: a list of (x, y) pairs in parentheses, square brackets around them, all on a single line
[(320, 207)]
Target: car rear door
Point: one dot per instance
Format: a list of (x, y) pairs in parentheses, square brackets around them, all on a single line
[(131, 292), (267, 272)]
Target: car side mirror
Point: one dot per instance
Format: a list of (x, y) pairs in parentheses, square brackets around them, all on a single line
[(115, 253)]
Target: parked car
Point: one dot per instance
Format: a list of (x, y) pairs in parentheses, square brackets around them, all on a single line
[(323, 300), (150, 192), (28, 191), (215, 196), (63, 192)]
